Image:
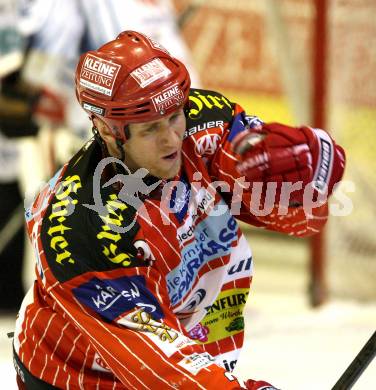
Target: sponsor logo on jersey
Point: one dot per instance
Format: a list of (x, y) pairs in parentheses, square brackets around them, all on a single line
[(241, 264), (205, 200), (167, 339), (202, 127), (212, 241), (172, 96), (197, 298), (191, 310), (228, 360), (111, 298), (145, 322), (60, 210), (98, 74), (202, 201), (239, 267), (224, 317), (236, 324), (228, 301), (93, 108), (186, 235), (196, 362), (109, 238), (199, 332), (207, 145), (198, 102), (150, 72), (179, 200), (229, 365)]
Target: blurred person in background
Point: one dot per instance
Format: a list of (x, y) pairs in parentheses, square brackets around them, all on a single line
[(145, 287), (55, 45), (44, 48), (17, 102)]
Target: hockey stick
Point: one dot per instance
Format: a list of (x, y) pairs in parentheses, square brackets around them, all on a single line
[(357, 366), (11, 227)]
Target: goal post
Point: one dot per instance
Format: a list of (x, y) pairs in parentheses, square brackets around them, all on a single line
[(318, 291), (306, 62)]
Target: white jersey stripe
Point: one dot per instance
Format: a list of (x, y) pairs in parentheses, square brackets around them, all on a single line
[(41, 339), (110, 334)]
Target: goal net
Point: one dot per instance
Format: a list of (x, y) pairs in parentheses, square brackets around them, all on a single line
[(262, 53), (352, 119)]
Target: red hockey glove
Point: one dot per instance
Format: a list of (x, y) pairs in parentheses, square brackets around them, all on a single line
[(258, 385), (50, 108), (277, 153)]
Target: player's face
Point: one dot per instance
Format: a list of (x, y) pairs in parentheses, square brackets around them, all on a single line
[(156, 145)]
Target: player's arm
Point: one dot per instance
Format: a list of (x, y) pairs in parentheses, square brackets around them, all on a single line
[(125, 313), (283, 174), (127, 319)]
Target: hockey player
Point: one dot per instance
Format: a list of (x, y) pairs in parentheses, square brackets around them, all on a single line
[(142, 270)]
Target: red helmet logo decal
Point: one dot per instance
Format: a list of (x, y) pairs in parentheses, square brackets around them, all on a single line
[(98, 74), (153, 70), (169, 97)]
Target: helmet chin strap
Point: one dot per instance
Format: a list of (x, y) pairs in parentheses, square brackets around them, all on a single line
[(103, 145), (100, 141), (105, 153)]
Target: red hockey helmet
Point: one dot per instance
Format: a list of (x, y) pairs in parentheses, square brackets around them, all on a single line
[(129, 80)]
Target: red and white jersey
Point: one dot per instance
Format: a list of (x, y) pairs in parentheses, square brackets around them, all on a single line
[(145, 287)]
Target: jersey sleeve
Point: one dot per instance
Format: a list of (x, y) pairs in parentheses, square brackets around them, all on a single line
[(295, 221), (118, 301), (125, 315), (97, 280)]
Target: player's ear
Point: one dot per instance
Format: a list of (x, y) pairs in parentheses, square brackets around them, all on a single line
[(103, 130)]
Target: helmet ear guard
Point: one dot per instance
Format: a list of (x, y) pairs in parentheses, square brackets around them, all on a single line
[(131, 79)]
